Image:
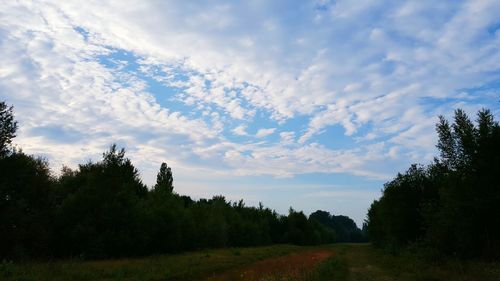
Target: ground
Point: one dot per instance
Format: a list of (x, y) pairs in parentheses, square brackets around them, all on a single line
[(286, 266), (281, 262)]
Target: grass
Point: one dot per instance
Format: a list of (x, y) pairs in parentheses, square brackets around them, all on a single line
[(186, 266), (333, 268), (366, 263), (361, 262), (349, 262), (330, 269)]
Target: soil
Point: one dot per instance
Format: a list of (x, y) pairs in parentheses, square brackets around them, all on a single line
[(269, 269)]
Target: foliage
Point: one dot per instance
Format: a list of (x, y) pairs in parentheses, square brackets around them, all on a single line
[(8, 128), (451, 205), (25, 205), (98, 214), (164, 179), (344, 227), (103, 210)]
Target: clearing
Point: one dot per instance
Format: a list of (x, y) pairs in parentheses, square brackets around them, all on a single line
[(280, 262)]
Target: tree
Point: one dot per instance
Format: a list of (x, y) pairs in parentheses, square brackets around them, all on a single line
[(164, 179), (102, 214), (446, 143), (8, 128), (465, 138), (345, 228), (25, 206), (452, 205)]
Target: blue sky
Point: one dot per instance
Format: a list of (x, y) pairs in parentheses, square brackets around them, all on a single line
[(310, 104)]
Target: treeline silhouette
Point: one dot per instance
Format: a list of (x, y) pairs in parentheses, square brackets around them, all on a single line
[(345, 228), (451, 206), (102, 209)]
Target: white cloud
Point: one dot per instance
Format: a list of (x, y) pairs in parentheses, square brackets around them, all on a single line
[(240, 130), (287, 138), (381, 71), (261, 133), (344, 194)]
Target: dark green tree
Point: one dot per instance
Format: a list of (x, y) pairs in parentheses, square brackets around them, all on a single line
[(8, 127), (25, 206), (25, 196), (101, 216), (345, 228), (164, 179), (452, 205), (446, 143)]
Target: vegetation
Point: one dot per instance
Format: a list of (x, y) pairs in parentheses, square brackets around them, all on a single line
[(185, 266), (8, 128), (346, 262), (365, 262), (345, 228), (451, 206), (102, 209)]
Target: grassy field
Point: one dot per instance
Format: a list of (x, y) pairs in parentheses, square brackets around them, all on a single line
[(186, 266), (282, 262), (366, 263)]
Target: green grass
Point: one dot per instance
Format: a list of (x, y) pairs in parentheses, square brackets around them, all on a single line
[(349, 262), (366, 263), (187, 266), (361, 262), (330, 269)]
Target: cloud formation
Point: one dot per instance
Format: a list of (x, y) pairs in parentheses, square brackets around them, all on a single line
[(333, 86), (261, 133)]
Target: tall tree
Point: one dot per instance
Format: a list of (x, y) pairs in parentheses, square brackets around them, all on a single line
[(446, 143), (102, 217), (25, 206), (164, 179), (465, 137), (8, 127)]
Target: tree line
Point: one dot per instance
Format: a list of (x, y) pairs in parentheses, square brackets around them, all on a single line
[(451, 206), (103, 209)]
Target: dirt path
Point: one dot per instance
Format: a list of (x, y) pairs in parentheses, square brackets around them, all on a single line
[(285, 266)]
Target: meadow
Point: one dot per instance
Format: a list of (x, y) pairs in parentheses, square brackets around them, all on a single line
[(272, 263)]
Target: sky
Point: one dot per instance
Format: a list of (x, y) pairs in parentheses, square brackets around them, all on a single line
[(309, 104)]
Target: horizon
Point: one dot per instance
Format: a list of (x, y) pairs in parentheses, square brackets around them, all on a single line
[(313, 105)]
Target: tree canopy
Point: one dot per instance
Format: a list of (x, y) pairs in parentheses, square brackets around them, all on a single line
[(164, 179), (8, 127), (451, 205)]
